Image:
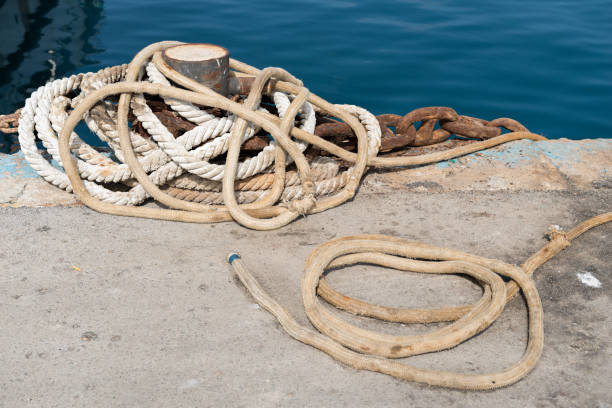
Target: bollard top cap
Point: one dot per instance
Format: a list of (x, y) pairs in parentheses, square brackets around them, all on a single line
[(196, 52)]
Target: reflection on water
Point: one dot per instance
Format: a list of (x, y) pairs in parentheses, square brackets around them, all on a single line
[(42, 39)]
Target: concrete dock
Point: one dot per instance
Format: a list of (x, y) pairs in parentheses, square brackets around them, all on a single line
[(100, 310)]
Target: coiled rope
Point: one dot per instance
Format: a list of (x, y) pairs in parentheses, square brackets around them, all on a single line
[(181, 173), (367, 350)]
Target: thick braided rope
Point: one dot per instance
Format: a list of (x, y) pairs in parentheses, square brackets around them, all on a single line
[(186, 109), (323, 168), (176, 149), (367, 350), (50, 114), (290, 193), (27, 139), (183, 163)]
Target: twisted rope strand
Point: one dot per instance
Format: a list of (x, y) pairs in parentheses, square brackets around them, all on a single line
[(367, 350)]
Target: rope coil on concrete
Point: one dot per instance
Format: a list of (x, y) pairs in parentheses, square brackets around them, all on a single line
[(366, 350), (181, 172)]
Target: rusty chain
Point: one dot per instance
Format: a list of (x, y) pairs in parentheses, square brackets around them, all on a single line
[(415, 129), (418, 128), (9, 123)]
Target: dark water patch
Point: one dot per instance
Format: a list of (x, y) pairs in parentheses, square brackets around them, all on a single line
[(547, 64)]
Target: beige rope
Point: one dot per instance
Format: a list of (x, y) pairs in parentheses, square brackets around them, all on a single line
[(259, 211), (366, 350)]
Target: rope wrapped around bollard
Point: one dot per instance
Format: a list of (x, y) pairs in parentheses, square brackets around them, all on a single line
[(180, 172)]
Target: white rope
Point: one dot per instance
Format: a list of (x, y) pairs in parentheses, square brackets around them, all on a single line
[(182, 163)]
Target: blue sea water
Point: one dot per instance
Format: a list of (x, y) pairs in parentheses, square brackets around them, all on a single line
[(547, 64)]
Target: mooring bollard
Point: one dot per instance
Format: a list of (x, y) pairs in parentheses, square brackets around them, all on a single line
[(207, 64)]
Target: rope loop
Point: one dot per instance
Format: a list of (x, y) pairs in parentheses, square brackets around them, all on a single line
[(364, 349), (253, 158)]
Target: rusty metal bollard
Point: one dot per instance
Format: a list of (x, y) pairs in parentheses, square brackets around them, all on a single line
[(207, 64)]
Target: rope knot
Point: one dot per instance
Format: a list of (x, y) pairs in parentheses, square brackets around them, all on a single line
[(555, 233), (303, 205)]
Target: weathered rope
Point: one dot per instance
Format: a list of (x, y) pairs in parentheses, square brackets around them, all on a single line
[(366, 350), (182, 171)]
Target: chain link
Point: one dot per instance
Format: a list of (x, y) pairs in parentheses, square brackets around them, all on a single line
[(9, 123), (420, 127)]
